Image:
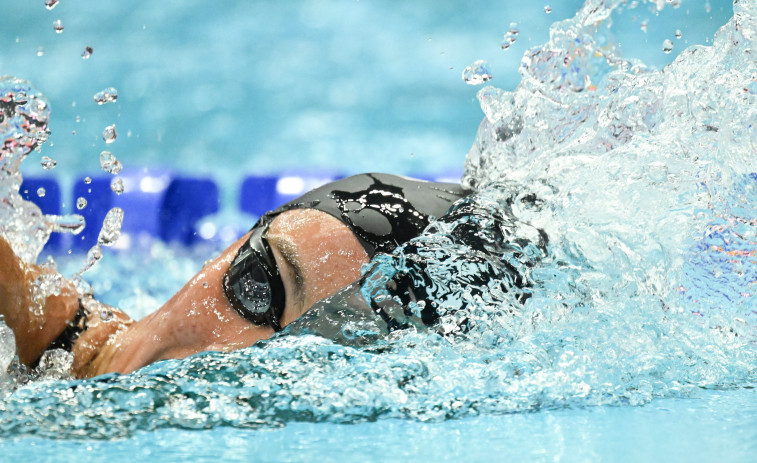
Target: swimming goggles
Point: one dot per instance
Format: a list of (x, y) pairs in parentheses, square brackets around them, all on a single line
[(253, 282)]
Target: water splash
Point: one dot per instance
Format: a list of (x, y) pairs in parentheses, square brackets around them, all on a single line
[(108, 95), (616, 207), (109, 163), (111, 229), (117, 186), (109, 134), (24, 115), (477, 73), (47, 162), (511, 36)]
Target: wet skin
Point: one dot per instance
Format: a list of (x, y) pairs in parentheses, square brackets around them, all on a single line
[(316, 255)]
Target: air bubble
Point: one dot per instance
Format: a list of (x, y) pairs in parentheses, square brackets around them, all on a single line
[(117, 185), (41, 192), (707, 6), (40, 51), (678, 33), (511, 36), (47, 162), (547, 9), (87, 52), (667, 46), (108, 95), (109, 134), (477, 73), (87, 180), (58, 26), (81, 203), (644, 25), (109, 163), (50, 4), (205, 285)]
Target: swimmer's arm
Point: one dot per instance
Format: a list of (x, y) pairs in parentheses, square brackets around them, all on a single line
[(33, 327)]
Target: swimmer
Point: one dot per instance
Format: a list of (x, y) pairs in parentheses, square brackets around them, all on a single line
[(299, 254)]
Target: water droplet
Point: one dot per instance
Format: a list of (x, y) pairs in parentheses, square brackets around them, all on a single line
[(81, 203), (111, 230), (47, 162), (644, 25), (678, 33), (547, 9), (477, 73), (109, 134), (58, 26), (40, 51), (50, 4), (87, 52), (41, 192), (109, 163), (93, 257), (117, 185), (511, 36), (667, 46), (72, 223), (108, 95)]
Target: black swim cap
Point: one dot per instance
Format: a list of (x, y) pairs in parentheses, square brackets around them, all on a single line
[(382, 210)]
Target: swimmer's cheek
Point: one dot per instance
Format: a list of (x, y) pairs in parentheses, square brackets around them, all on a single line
[(95, 348)]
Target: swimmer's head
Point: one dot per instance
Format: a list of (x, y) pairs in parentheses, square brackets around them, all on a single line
[(291, 262), (378, 211)]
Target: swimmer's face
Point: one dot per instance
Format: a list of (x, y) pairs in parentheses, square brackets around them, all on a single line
[(316, 255)]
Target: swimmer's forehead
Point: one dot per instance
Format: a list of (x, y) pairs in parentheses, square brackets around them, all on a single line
[(296, 224)]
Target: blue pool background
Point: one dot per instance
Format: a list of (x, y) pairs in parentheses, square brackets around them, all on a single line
[(225, 90)]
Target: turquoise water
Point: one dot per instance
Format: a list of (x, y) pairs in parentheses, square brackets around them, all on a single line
[(717, 426), (637, 341)]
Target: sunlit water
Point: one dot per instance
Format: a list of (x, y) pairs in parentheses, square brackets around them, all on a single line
[(615, 205)]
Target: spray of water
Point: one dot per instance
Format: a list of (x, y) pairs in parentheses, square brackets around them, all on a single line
[(607, 257)]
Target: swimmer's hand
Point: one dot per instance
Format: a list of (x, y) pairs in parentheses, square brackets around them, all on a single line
[(34, 327)]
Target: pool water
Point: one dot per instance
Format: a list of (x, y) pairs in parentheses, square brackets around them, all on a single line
[(636, 341), (716, 426)]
